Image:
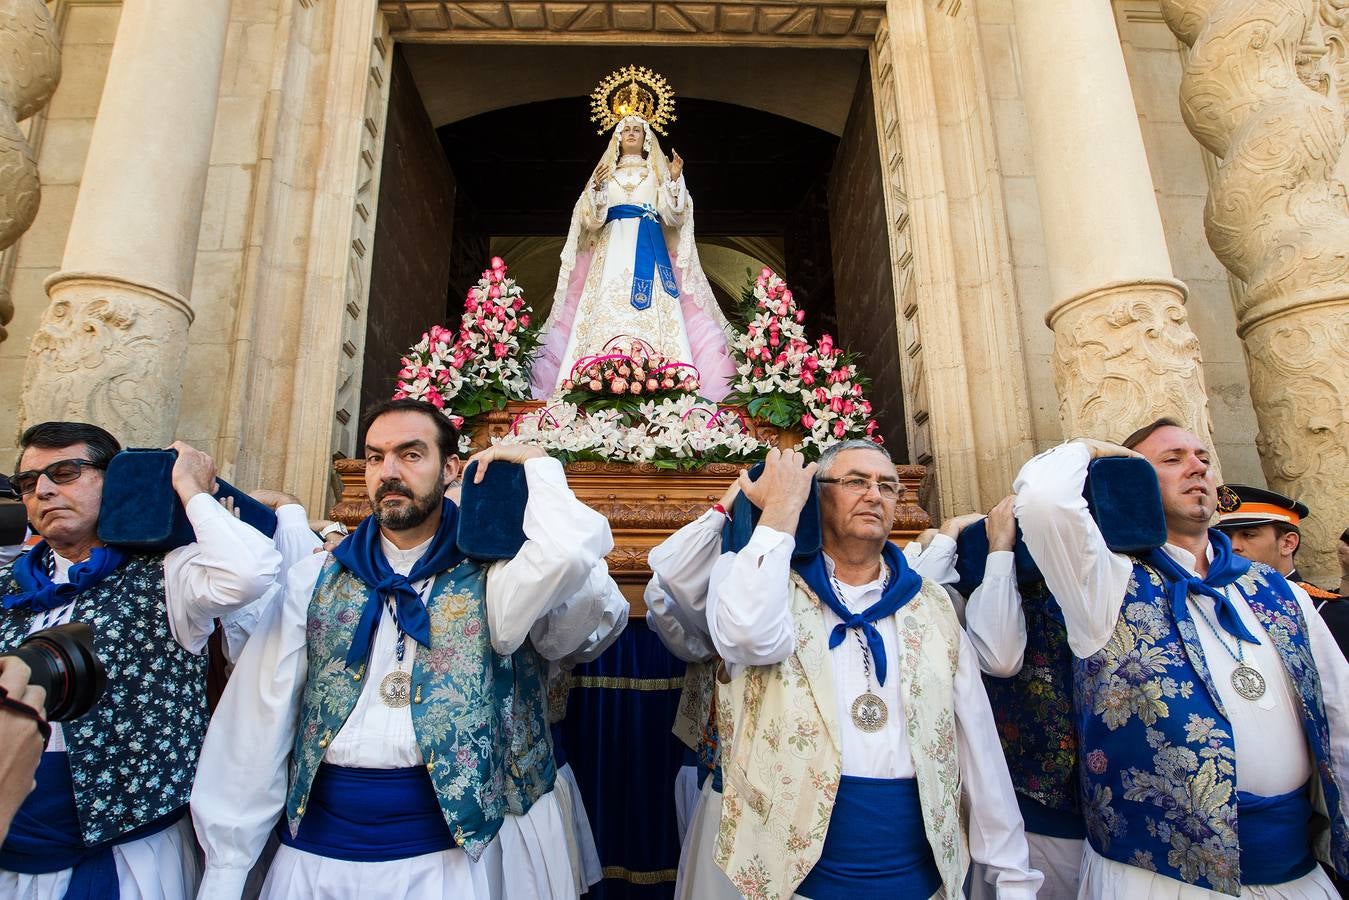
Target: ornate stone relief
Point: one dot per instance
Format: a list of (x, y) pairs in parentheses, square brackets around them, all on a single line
[(1122, 361), (1264, 91), (110, 355), (30, 67), (839, 23)]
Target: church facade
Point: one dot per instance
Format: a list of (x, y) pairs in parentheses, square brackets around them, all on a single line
[(1037, 223)]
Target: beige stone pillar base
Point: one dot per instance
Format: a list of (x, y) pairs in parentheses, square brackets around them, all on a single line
[(1297, 366), (1124, 355), (110, 352)]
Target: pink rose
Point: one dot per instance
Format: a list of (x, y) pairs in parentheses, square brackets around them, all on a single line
[(595, 385), (652, 384), (524, 321), (808, 421), (635, 387), (494, 291), (839, 430), (498, 263), (800, 315), (501, 350), (567, 385), (618, 386)]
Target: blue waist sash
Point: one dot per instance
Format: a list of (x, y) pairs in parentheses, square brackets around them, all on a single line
[(1275, 835), (45, 836), (652, 254), (370, 815), (876, 847), (1056, 823)]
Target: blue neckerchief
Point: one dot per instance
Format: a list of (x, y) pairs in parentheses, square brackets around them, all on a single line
[(652, 254), (362, 555), (904, 585), (1225, 568), (41, 594)]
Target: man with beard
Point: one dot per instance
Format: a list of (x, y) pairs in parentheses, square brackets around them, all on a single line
[(1210, 698), (384, 685)]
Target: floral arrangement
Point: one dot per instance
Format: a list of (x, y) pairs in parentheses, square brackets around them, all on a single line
[(789, 381), (673, 432), (485, 364), (624, 373)]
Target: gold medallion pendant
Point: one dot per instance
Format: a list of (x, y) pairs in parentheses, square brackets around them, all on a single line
[(396, 689), (869, 712), (1248, 682)]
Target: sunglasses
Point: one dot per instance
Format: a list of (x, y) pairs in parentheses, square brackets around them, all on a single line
[(63, 471)]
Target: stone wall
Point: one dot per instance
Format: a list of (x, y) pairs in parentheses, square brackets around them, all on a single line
[(410, 268), (863, 289), (60, 138)]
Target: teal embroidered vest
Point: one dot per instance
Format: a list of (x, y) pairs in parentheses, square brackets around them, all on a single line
[(1034, 708), (1157, 757), (461, 699), (532, 768), (133, 757)]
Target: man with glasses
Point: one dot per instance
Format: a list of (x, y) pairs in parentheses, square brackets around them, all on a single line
[(859, 755), (108, 815)]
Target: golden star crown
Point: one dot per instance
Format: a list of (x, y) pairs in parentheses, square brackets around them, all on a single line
[(632, 91)]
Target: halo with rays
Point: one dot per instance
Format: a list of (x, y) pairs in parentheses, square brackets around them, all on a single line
[(632, 91)]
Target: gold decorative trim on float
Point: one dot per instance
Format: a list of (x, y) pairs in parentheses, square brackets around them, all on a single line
[(615, 682), (658, 876)]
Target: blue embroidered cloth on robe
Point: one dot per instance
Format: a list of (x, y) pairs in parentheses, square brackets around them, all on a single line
[(652, 254), (45, 836), (876, 847), (370, 815)]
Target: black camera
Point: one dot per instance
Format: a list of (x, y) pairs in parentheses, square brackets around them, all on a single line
[(63, 661), (13, 517)]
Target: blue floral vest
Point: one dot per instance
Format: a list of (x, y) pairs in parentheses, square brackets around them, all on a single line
[(1157, 757), (132, 758), (532, 767), (1034, 708), (461, 699)]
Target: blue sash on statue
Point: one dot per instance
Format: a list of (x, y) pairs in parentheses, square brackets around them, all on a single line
[(370, 815), (876, 847), (45, 836), (1275, 836), (652, 254)]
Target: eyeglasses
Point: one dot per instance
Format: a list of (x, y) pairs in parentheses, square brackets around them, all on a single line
[(889, 490), (63, 471)]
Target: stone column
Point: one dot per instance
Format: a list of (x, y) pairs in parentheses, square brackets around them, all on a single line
[(1263, 95), (30, 66), (112, 344), (1124, 353)]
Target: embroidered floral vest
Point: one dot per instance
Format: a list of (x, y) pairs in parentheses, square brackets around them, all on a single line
[(461, 699), (133, 757), (1157, 757), (695, 703), (1034, 708), (532, 769), (781, 757)]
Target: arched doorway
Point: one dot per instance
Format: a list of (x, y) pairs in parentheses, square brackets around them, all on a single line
[(487, 149)]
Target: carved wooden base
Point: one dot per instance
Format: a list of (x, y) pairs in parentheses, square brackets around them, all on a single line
[(644, 506)]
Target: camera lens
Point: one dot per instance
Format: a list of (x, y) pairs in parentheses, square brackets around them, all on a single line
[(64, 663)]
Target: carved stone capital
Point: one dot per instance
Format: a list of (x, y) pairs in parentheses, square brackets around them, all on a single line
[(1297, 370), (1124, 355), (109, 353)]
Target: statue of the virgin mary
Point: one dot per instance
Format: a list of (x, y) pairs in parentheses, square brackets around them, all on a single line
[(630, 267)]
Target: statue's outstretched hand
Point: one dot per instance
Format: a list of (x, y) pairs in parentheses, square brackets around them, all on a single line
[(601, 176), (676, 165)]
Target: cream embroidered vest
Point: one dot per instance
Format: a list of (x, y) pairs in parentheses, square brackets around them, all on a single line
[(781, 756)]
